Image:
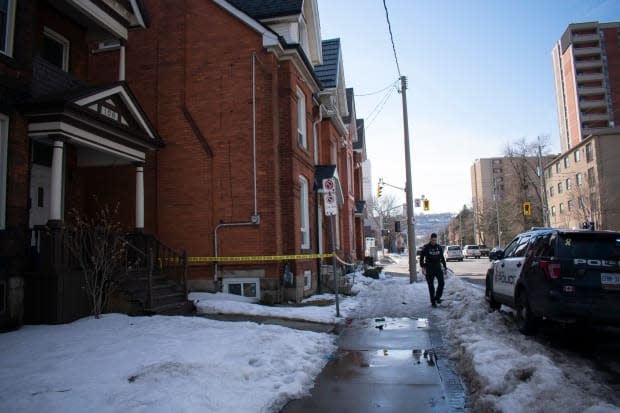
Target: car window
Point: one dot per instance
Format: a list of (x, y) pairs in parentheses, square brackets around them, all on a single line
[(589, 246), (511, 247), (542, 246), (522, 247)]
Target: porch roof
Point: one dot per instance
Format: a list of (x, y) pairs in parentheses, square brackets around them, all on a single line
[(106, 118)]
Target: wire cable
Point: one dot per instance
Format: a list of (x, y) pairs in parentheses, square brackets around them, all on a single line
[(378, 91), (387, 16)]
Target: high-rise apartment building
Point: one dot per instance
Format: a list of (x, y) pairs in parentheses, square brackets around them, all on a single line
[(581, 182), (586, 65)]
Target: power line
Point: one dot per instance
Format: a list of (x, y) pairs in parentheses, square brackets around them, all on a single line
[(387, 16), (378, 91)]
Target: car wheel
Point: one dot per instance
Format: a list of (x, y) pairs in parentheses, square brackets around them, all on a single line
[(527, 322), (488, 293), (461, 260)]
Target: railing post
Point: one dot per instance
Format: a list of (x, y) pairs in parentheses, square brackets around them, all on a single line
[(149, 298), (185, 273)]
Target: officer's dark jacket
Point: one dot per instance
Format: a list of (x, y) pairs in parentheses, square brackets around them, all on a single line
[(431, 257)]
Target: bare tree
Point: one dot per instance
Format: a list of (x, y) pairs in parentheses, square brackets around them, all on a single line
[(99, 249)]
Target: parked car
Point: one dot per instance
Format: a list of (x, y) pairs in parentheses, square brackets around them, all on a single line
[(471, 251), (484, 250), (558, 274), (453, 253)]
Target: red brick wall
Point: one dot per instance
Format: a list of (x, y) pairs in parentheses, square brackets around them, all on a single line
[(199, 61)]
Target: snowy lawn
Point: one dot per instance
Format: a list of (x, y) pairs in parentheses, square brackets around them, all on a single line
[(192, 364)]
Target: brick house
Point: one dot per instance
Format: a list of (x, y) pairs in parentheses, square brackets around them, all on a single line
[(207, 122)]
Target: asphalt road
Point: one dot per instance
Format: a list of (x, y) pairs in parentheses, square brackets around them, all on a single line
[(471, 270)]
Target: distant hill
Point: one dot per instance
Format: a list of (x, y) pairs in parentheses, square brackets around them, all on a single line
[(426, 224)]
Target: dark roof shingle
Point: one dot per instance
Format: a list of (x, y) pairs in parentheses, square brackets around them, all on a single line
[(262, 9), (327, 72)]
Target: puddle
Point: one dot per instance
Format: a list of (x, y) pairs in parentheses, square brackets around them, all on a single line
[(383, 323)]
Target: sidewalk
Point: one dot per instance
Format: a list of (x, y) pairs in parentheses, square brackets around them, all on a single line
[(386, 365)]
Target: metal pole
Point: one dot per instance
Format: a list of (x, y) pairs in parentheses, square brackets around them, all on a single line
[(543, 189), (408, 187), (495, 197), (336, 277)]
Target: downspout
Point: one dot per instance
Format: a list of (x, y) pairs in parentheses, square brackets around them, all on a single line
[(255, 218)]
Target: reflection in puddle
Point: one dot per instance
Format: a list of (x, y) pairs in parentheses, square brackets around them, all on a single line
[(422, 322), (383, 323), (419, 355)]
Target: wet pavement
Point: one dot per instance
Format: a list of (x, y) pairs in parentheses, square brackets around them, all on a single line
[(386, 365)]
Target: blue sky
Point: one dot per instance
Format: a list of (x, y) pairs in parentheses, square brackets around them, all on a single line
[(479, 76)]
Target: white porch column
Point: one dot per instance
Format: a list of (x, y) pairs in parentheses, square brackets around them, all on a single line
[(121, 63), (56, 182), (139, 197)]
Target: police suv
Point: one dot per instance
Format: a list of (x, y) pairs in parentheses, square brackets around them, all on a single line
[(557, 274)]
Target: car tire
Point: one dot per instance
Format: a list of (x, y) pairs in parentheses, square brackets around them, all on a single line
[(488, 293), (461, 260), (527, 322)]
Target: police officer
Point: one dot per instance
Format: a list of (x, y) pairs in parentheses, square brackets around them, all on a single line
[(431, 261)]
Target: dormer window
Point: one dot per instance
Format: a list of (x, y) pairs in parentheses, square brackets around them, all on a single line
[(55, 49)]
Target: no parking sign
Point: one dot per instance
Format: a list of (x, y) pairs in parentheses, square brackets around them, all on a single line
[(329, 196)]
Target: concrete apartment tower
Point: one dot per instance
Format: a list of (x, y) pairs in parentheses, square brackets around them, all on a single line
[(581, 183), (586, 66)]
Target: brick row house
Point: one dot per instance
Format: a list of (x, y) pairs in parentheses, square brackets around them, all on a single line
[(211, 124)]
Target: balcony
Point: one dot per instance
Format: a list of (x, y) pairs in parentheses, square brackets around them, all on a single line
[(586, 51), (585, 38), (591, 104), (587, 77), (593, 117), (599, 90), (588, 64)]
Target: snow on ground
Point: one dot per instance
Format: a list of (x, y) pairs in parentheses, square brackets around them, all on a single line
[(187, 364)]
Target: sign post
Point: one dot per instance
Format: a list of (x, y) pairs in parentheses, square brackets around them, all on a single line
[(331, 209)]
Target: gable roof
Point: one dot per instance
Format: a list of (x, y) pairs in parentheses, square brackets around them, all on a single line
[(261, 9), (327, 72)]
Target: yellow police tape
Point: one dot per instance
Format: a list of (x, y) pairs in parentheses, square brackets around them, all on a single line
[(251, 258)]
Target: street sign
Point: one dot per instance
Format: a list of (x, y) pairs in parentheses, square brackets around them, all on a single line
[(329, 196)]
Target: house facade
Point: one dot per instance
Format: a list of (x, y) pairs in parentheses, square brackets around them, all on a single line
[(210, 125)]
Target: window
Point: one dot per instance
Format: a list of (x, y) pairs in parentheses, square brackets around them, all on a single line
[(560, 188), (569, 205), (589, 155), (245, 287), (561, 207), (307, 280), (553, 211), (498, 170), (549, 173), (566, 162), (304, 215), (579, 179), (4, 138), (580, 201), (301, 120), (557, 168), (591, 178), (7, 23), (551, 191), (577, 155), (569, 184), (55, 49)]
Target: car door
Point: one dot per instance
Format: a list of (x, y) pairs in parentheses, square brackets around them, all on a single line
[(506, 271)]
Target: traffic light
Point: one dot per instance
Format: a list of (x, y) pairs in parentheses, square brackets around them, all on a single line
[(379, 189), (426, 204), (527, 209)]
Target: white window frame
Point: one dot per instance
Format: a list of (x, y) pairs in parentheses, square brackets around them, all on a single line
[(64, 42), (9, 35), (226, 282), (4, 145), (304, 213), (302, 132)]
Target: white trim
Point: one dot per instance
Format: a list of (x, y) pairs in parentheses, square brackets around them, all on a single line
[(4, 139), (64, 42), (304, 212), (120, 90), (90, 9), (77, 135), (137, 14), (302, 127), (10, 29)]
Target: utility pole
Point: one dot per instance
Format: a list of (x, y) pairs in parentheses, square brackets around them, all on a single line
[(543, 184), (409, 187), (495, 198)]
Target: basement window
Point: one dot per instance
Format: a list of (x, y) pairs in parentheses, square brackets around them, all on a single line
[(245, 287), (307, 280)]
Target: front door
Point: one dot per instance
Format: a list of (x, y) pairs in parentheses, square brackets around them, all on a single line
[(40, 178)]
